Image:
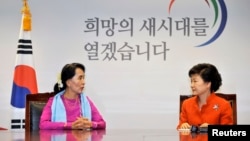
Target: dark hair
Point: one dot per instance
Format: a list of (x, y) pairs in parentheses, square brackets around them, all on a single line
[(208, 73), (68, 71)]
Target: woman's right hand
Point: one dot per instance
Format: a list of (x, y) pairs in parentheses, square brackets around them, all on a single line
[(81, 123), (185, 125)]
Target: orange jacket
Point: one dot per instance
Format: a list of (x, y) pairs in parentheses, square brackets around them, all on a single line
[(216, 111)]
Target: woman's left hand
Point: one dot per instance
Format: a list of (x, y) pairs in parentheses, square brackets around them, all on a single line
[(82, 123), (204, 125)]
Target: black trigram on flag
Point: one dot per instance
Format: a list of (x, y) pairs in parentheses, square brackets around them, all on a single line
[(17, 123)]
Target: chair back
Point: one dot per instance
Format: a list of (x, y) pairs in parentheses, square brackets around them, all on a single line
[(33, 109), (229, 97)]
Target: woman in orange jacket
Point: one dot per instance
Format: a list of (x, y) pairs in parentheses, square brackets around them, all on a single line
[(205, 107)]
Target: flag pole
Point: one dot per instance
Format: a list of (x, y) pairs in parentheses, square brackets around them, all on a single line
[(24, 81)]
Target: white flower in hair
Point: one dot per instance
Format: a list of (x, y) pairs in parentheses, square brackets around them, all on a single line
[(59, 81)]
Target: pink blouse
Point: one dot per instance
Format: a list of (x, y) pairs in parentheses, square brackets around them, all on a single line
[(73, 111)]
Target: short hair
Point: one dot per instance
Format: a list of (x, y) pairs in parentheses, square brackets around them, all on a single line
[(208, 73)]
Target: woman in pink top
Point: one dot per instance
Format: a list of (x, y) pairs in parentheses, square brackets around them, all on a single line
[(70, 108)]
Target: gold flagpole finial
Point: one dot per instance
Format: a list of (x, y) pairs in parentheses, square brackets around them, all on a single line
[(26, 16)]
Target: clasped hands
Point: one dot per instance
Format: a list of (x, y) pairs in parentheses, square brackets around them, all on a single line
[(82, 123), (188, 126)]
